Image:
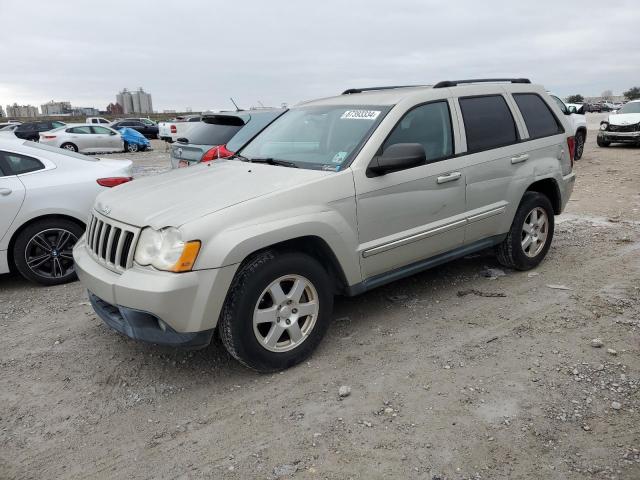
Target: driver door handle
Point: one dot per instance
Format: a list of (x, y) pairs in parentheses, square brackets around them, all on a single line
[(450, 177), (5, 191)]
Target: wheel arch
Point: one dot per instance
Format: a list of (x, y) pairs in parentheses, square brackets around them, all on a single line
[(548, 187), (317, 248), (70, 143), (30, 222)]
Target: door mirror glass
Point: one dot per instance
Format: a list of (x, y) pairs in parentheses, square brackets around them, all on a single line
[(396, 157)]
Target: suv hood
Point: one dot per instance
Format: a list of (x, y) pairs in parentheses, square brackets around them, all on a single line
[(179, 196), (621, 119)]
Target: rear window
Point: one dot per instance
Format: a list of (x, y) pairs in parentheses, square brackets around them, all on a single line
[(540, 121), (488, 122), (58, 151), (256, 123), (211, 134)]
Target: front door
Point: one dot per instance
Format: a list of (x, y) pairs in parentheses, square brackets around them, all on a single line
[(413, 214)]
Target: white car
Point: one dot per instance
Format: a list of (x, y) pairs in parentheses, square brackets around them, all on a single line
[(622, 126), (45, 198), (575, 115), (84, 138), (97, 121)]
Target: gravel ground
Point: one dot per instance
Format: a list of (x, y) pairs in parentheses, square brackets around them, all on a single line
[(465, 371)]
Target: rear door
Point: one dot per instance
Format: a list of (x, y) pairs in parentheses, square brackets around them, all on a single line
[(12, 194), (84, 139), (493, 157)]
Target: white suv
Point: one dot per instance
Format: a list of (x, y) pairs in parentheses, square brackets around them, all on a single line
[(337, 196)]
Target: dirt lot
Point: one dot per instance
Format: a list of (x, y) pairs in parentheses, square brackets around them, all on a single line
[(447, 380)]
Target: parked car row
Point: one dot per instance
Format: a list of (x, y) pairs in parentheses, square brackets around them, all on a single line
[(623, 126), (334, 196)]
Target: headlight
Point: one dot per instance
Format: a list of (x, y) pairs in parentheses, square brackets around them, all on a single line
[(604, 125), (165, 250)]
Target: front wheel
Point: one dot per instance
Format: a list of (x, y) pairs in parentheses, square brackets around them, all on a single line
[(529, 239), (277, 310), (42, 252), (580, 139)]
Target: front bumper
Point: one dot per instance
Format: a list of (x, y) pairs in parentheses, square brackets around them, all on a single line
[(186, 303), (621, 137)]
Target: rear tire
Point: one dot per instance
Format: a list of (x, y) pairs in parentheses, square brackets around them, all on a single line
[(131, 147), (602, 143), (69, 146), (580, 139), (42, 251), (270, 332), (531, 233)]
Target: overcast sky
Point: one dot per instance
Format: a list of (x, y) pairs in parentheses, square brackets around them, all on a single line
[(193, 53)]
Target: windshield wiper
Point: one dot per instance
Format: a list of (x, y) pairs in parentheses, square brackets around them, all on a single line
[(239, 157), (273, 161)]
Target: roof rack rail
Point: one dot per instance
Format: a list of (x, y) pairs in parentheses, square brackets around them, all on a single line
[(455, 83), (349, 91)]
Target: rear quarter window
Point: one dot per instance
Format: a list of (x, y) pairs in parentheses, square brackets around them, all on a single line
[(488, 122), (17, 164), (540, 120)]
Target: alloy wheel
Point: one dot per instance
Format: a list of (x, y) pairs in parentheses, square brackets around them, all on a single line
[(285, 313), (49, 253), (534, 232)]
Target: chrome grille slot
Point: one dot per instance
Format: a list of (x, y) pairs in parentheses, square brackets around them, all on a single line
[(111, 243)]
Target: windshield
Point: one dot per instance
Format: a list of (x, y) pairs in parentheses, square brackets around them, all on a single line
[(631, 107), (323, 138)]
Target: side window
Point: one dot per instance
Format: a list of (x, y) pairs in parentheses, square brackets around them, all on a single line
[(125, 124), (540, 121), (561, 105), (57, 124), (428, 125), (82, 130), (101, 130), (16, 164), (488, 122)]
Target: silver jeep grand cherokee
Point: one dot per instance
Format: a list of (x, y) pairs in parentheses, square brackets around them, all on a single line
[(337, 196)]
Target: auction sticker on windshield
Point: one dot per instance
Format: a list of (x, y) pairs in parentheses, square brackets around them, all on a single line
[(360, 114)]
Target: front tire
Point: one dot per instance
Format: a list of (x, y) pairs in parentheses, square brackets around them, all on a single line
[(531, 233), (580, 140), (277, 310), (42, 252)]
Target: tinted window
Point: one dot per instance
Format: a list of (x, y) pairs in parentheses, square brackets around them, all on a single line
[(101, 130), (83, 130), (125, 124), (211, 134), (561, 104), (428, 125), (17, 164), (58, 124), (43, 126), (537, 116), (488, 122), (256, 123)]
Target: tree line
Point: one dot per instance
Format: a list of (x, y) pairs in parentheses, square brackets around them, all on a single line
[(632, 94)]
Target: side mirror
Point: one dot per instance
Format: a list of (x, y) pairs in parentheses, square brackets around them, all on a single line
[(113, 133), (399, 156)]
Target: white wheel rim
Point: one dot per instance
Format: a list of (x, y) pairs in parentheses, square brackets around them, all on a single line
[(286, 313), (535, 232)]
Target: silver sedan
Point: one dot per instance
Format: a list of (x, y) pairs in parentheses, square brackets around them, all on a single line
[(84, 138)]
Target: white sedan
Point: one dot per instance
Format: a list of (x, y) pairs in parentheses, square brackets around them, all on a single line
[(84, 138), (45, 197)]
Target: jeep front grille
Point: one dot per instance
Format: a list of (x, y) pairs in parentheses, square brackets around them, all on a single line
[(110, 242), (622, 128)]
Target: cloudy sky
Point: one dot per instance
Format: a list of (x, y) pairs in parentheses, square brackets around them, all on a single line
[(198, 53)]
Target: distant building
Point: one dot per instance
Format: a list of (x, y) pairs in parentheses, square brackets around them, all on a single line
[(23, 111), (115, 109), (134, 102), (55, 108), (86, 111)]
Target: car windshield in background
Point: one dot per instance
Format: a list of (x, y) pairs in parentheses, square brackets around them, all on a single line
[(632, 107), (324, 138), (255, 124), (218, 133), (59, 151)]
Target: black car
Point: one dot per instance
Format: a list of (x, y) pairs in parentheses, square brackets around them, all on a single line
[(31, 130), (148, 129)]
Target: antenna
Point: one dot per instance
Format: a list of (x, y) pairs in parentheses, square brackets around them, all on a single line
[(234, 104)]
